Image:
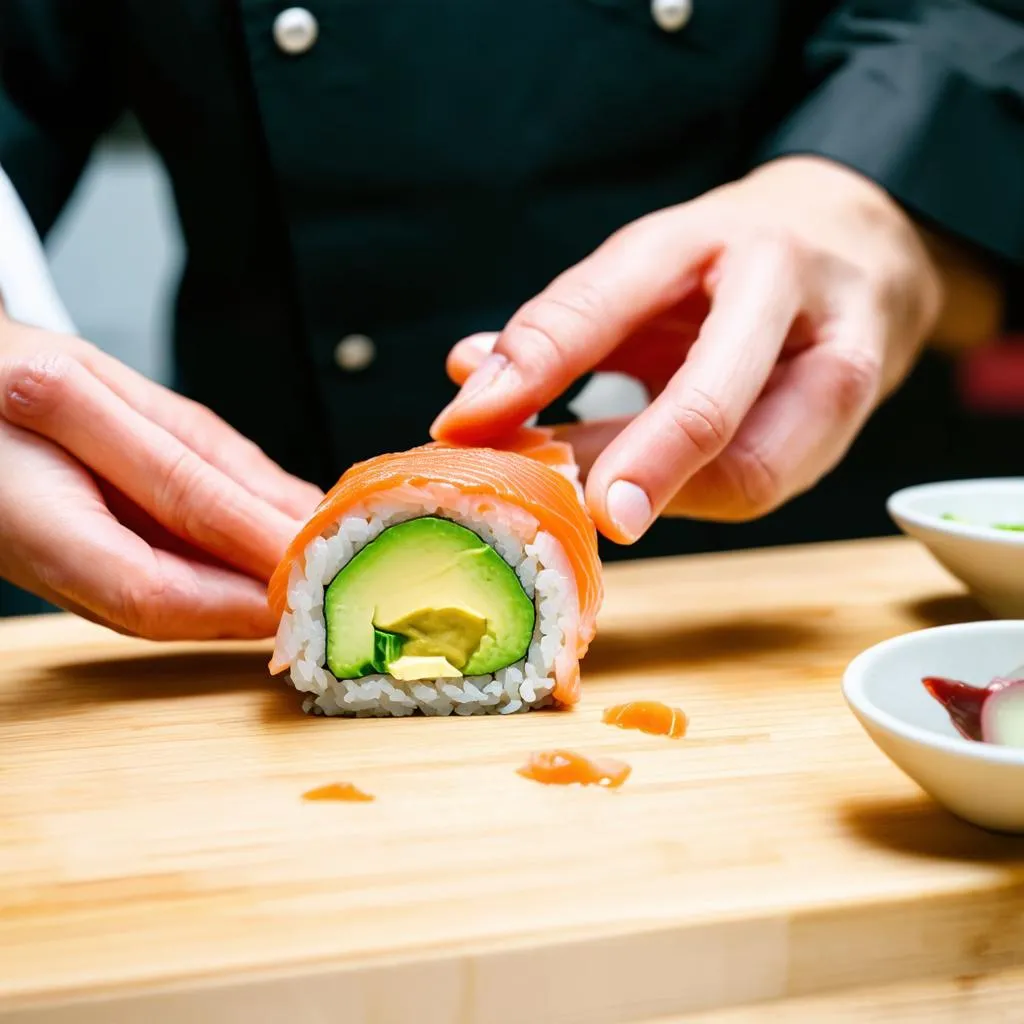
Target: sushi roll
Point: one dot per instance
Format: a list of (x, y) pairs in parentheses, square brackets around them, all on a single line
[(442, 580)]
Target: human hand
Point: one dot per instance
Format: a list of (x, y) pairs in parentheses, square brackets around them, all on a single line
[(767, 319), (130, 505)]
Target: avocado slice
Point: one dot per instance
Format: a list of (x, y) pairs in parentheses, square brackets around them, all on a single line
[(426, 589), (449, 633), (412, 667)]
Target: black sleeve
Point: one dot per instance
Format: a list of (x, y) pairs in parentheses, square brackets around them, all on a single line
[(925, 97), (58, 94)]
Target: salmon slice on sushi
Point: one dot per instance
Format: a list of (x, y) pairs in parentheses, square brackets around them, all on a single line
[(442, 580)]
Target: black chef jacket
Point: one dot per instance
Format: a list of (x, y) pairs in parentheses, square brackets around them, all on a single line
[(361, 183)]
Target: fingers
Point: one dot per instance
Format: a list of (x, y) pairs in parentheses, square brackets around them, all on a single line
[(736, 433), (468, 354), (143, 525), (58, 540), (795, 434), (147, 592), (756, 300), (209, 437), (575, 323), (56, 397)]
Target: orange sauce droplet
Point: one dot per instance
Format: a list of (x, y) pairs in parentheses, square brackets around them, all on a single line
[(567, 768), (650, 716), (344, 791)]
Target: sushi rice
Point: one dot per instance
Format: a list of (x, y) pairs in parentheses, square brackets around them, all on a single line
[(536, 557)]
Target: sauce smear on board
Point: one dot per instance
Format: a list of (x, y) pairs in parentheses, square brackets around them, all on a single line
[(343, 791), (567, 768)]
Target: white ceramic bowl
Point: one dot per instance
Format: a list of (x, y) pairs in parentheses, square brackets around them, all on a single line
[(988, 561), (980, 782)]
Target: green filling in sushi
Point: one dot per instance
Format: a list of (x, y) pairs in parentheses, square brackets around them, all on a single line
[(426, 599)]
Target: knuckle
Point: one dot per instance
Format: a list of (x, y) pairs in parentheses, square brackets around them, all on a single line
[(647, 227), (203, 414), (776, 246), (535, 349), (888, 285), (250, 454), (757, 483), (143, 604), (85, 351), (903, 297), (138, 606), (585, 302), (548, 325), (701, 421), (855, 381), (207, 422), (35, 388), (179, 494)]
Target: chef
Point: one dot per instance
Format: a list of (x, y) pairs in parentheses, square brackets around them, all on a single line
[(771, 215)]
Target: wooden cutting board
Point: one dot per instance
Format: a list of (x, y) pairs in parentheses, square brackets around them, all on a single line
[(158, 862)]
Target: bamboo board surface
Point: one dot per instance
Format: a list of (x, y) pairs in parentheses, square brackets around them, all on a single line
[(157, 862)]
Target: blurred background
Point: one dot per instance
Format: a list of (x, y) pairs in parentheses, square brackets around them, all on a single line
[(116, 253)]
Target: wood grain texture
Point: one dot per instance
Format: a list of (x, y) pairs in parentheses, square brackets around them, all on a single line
[(967, 999), (157, 861)]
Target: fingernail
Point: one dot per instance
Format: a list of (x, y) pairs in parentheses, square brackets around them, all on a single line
[(482, 343), (629, 508), (483, 376)]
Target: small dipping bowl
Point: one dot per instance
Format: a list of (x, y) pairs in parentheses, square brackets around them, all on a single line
[(987, 560), (981, 783)]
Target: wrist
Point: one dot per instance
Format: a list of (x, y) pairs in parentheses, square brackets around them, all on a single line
[(819, 182), (968, 298)]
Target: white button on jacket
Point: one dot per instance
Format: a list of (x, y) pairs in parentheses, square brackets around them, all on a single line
[(354, 353), (671, 15), (295, 30)]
